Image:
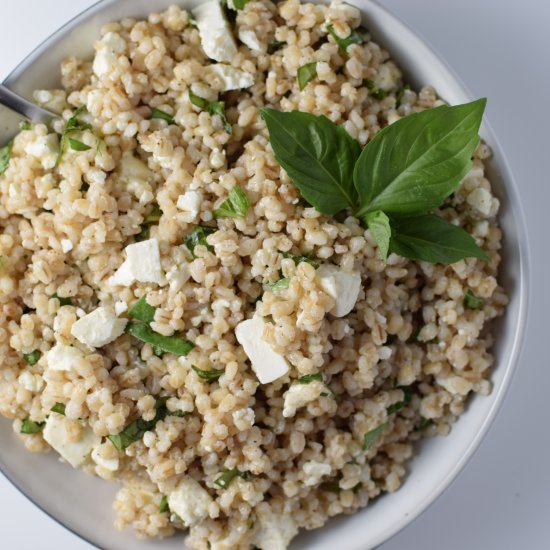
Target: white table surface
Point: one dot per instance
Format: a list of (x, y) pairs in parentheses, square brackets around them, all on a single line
[(501, 49)]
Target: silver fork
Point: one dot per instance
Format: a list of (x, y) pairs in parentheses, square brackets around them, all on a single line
[(24, 107)]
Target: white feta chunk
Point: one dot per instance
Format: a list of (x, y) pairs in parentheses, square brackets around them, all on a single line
[(45, 149), (120, 307), (177, 277), (224, 77), (57, 433), (455, 385), (249, 38), (344, 287), (299, 395), (314, 471), (190, 501), (98, 328), (66, 245), (266, 363), (481, 200), (133, 171), (111, 464), (142, 264), (217, 40), (388, 76), (275, 531), (62, 357), (109, 49), (53, 100), (190, 202)]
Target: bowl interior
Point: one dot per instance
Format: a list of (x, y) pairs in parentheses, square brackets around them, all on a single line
[(51, 485)]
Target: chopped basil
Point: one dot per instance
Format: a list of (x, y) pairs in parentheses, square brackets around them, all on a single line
[(157, 113), (228, 476), (63, 301), (59, 408), (306, 73), (407, 396), (149, 219), (208, 375), (31, 427), (400, 94), (240, 4), (274, 45), (26, 125), (370, 437), (5, 153), (235, 206), (471, 301), (281, 284), (170, 344), (212, 108), (74, 125), (299, 259), (424, 424), (78, 145), (33, 357), (374, 90), (142, 311), (308, 378), (198, 237), (164, 507), (353, 38)]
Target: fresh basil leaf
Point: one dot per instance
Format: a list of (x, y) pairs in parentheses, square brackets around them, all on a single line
[(318, 155), (235, 206), (430, 238), (412, 165), (31, 427), (212, 108), (306, 73), (471, 301), (240, 4), (142, 311), (274, 45), (153, 216), (163, 115), (59, 408), (407, 397), (299, 259), (198, 237), (33, 357), (370, 437), (26, 125), (353, 38), (281, 284), (379, 225), (74, 125), (164, 507), (424, 424), (228, 476), (78, 145), (208, 375), (308, 378), (63, 301), (374, 90), (5, 153), (170, 344)]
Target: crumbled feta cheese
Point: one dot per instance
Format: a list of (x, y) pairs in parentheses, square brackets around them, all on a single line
[(111, 464), (342, 286), (314, 471), (62, 357), (299, 395), (178, 276), (133, 171), (66, 245), (109, 49), (481, 200), (56, 433), (190, 501), (142, 264), (120, 307), (248, 38), (266, 363), (53, 100), (388, 76), (275, 531), (225, 77), (216, 37), (45, 149), (190, 202), (98, 328)]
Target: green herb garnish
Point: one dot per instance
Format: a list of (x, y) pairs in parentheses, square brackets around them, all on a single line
[(208, 375), (170, 344), (78, 145), (228, 476), (370, 437), (408, 169), (212, 108), (26, 125), (235, 206), (400, 94), (281, 284), (407, 396), (299, 259), (150, 219), (374, 90), (198, 237), (142, 311), (163, 115), (5, 153), (274, 45), (424, 424), (308, 378), (353, 38), (240, 4), (59, 408), (306, 73), (63, 301), (31, 427), (33, 357), (74, 125), (164, 507), (471, 301)]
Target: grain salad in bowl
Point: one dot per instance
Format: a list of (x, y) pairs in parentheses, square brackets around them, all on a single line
[(245, 270)]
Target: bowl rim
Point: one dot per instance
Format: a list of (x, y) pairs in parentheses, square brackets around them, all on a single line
[(524, 255)]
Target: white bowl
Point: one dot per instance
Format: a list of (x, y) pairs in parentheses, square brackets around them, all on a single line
[(83, 504)]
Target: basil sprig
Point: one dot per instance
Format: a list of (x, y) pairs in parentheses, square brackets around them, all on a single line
[(235, 206), (228, 476), (212, 108), (162, 115), (75, 125), (408, 169), (471, 301), (198, 237), (208, 375), (29, 427), (344, 43), (306, 73)]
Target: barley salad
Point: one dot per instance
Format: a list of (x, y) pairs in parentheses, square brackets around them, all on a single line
[(245, 270)]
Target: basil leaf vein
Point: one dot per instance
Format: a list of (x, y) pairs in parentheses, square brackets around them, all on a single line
[(379, 225)]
